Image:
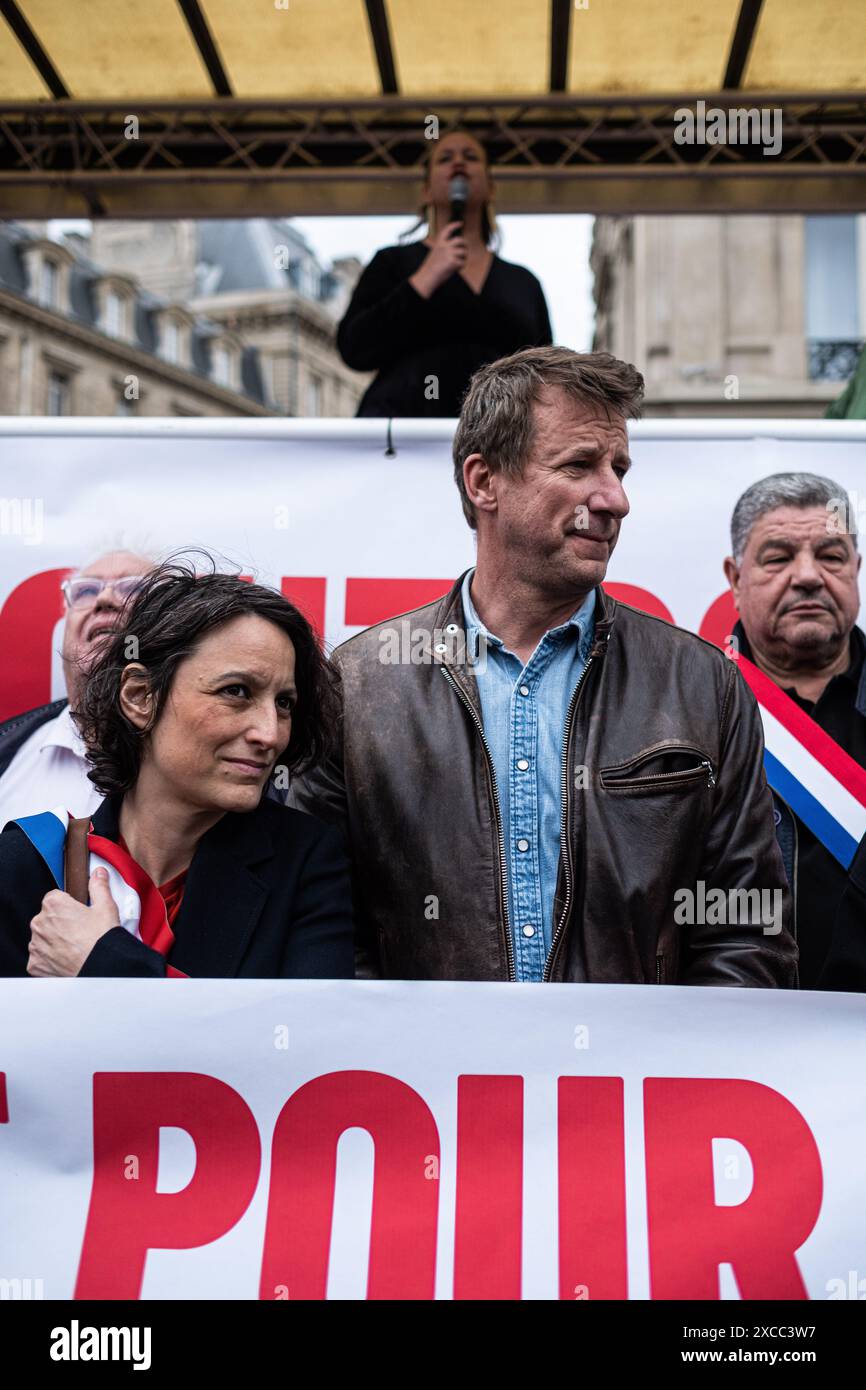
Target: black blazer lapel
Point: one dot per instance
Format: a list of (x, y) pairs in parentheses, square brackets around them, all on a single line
[(106, 818), (223, 898)]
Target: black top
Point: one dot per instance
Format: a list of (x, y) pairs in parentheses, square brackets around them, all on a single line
[(845, 965), (425, 350), (267, 896), (821, 880)]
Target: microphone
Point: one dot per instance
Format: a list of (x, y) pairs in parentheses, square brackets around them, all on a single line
[(458, 192)]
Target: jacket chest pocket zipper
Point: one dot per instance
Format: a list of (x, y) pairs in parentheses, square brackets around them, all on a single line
[(660, 970), (624, 778)]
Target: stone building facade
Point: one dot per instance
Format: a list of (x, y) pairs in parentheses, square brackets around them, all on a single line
[(750, 315), (260, 279), (79, 339)]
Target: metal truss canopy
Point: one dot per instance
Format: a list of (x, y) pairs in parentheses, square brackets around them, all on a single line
[(556, 153)]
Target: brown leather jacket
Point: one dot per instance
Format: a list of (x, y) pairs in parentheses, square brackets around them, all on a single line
[(674, 794)]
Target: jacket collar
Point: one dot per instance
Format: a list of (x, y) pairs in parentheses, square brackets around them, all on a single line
[(580, 626), (15, 731), (106, 818), (223, 898), (447, 644)]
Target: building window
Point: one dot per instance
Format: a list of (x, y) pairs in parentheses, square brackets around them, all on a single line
[(170, 341), (114, 315), (49, 284), (269, 376), (59, 394), (222, 365), (312, 280), (314, 395), (833, 328)]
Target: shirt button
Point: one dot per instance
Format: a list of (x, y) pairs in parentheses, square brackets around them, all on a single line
[(528, 930), (523, 764), (524, 690), (523, 845)]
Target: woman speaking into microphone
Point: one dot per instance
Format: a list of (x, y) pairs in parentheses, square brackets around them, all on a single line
[(427, 314)]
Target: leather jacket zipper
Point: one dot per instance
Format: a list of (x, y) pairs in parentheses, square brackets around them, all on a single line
[(705, 763), (503, 870), (565, 847)]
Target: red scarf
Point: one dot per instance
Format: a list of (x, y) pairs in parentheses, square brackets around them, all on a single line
[(159, 906)]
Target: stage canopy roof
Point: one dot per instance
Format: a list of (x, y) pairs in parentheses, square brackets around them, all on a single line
[(234, 107)]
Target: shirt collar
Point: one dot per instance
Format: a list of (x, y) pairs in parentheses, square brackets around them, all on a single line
[(581, 619), (62, 733)]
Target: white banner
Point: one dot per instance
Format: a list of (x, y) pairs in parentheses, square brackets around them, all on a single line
[(353, 535), (281, 1140)]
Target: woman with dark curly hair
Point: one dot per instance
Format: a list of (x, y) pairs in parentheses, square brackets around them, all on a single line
[(208, 689)]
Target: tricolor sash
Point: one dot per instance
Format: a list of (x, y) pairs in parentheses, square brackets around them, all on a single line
[(821, 783), (139, 902)]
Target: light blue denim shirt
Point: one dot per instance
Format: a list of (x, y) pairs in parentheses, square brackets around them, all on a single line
[(524, 710)]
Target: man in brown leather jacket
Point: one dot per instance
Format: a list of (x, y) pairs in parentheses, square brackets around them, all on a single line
[(538, 782)]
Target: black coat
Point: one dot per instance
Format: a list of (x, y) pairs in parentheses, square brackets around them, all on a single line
[(845, 966), (267, 896), (390, 328), (16, 731), (823, 891)]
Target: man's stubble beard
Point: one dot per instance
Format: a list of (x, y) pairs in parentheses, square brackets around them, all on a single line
[(563, 578), (822, 644)]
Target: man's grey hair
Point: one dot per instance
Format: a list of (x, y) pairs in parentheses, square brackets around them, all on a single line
[(791, 490), (126, 543)]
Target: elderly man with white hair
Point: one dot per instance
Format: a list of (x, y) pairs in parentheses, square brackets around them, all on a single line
[(794, 575), (42, 757)]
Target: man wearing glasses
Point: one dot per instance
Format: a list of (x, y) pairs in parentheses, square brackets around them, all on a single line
[(42, 759)]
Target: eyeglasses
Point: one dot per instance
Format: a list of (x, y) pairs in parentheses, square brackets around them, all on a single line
[(85, 591)]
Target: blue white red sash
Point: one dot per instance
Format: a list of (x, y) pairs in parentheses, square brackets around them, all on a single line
[(139, 902), (821, 783)]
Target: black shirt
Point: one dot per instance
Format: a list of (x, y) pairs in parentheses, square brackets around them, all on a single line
[(821, 880), (425, 350)]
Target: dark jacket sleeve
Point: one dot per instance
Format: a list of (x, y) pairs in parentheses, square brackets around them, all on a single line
[(742, 853), (320, 943), (120, 954), (845, 966), (24, 881), (386, 315), (322, 792)]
